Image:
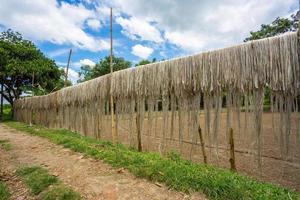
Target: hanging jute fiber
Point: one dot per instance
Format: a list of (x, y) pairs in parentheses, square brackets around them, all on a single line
[(162, 106)]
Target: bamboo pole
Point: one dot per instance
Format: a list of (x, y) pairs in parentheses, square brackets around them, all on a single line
[(232, 156), (139, 134), (113, 131), (67, 69), (32, 84), (1, 109), (202, 145)]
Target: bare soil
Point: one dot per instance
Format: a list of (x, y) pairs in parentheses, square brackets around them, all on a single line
[(92, 178)]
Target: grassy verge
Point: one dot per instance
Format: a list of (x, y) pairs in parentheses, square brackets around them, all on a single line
[(5, 145), (60, 192), (4, 193), (39, 182), (36, 178), (175, 172)]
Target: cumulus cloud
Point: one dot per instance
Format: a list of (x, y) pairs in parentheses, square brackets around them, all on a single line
[(137, 29), (141, 51), (195, 25), (94, 24), (87, 62), (51, 21), (73, 76)]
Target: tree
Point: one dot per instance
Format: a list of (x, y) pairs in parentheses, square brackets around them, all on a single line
[(277, 27), (102, 68), (25, 69), (145, 62)]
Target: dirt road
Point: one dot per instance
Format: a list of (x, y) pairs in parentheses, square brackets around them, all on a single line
[(92, 178)]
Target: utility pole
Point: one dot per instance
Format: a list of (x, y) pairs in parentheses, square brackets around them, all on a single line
[(32, 84), (113, 131), (67, 69), (1, 109)]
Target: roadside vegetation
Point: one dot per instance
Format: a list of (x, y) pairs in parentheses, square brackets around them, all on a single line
[(5, 145), (4, 193), (36, 178), (48, 187), (177, 173)]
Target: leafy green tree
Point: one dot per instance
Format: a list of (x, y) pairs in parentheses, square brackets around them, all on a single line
[(145, 62), (102, 68), (277, 27), (25, 69)]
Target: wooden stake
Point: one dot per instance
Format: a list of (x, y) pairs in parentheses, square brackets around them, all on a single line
[(67, 69), (138, 127), (232, 156), (1, 109), (32, 84), (113, 131), (202, 145)]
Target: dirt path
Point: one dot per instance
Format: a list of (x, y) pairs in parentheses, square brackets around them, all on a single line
[(93, 179)]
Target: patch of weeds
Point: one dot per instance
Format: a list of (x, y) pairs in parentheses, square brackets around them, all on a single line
[(4, 193), (5, 145), (36, 178), (177, 173), (60, 193), (39, 182)]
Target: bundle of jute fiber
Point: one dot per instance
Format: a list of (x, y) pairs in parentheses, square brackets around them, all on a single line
[(166, 100)]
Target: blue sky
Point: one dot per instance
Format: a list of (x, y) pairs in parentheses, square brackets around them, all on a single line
[(142, 29)]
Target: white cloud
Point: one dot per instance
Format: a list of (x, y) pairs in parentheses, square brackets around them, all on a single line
[(88, 62), (73, 76), (138, 29), (94, 24), (58, 52), (195, 25), (48, 20), (141, 51)]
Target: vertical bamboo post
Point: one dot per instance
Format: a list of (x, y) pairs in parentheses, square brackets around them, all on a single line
[(67, 69), (113, 132), (32, 84), (202, 145), (138, 127), (1, 109), (232, 156)]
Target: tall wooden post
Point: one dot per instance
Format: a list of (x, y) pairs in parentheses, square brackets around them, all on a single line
[(113, 131), (32, 84), (67, 69), (232, 156), (202, 145), (1, 109), (138, 127)]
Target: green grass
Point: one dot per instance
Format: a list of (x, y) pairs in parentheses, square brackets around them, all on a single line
[(39, 182), (4, 193), (178, 174), (60, 193), (36, 178), (5, 145)]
